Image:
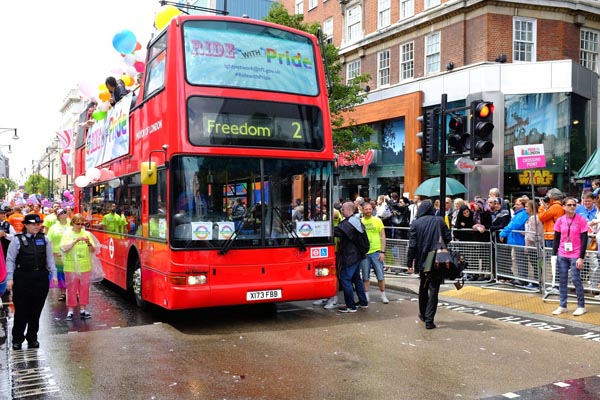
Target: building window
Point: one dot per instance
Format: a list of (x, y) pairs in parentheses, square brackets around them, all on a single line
[(312, 4), (524, 34), (383, 67), (407, 61), (354, 23), (432, 53), (588, 53), (328, 30), (431, 3), (384, 13), (407, 8), (352, 70), (299, 7)]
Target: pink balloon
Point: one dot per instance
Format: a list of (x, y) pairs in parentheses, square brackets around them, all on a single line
[(104, 174), (87, 89), (139, 66)]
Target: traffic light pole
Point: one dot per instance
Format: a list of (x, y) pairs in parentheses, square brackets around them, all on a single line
[(443, 142)]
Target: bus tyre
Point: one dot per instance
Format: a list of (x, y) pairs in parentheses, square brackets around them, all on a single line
[(136, 284)]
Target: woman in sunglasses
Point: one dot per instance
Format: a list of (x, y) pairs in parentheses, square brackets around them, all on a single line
[(78, 246), (570, 242)]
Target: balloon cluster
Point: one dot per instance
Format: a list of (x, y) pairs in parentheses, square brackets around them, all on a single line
[(93, 175), (133, 55)]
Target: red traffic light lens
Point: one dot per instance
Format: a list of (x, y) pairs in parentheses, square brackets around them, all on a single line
[(455, 123), (485, 109)]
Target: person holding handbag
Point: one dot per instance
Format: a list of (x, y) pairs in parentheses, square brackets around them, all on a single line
[(77, 246), (425, 234)]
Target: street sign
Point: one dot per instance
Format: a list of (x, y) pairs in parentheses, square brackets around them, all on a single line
[(530, 156), (465, 165)]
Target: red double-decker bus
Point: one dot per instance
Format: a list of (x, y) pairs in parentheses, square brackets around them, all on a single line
[(221, 167)]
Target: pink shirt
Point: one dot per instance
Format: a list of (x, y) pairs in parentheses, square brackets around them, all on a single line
[(570, 231)]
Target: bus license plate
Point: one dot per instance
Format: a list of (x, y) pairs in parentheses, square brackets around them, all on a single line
[(263, 295)]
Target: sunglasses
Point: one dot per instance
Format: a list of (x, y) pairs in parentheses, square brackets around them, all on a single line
[(570, 205), (77, 224)]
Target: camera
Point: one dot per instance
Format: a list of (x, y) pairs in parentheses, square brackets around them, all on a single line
[(546, 199)]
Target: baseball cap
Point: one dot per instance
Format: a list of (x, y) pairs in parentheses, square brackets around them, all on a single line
[(32, 219)]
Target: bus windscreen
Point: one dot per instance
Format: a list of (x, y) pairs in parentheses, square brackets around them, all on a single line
[(252, 123), (231, 54)]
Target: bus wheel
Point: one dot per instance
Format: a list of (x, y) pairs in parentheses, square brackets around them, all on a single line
[(136, 284)]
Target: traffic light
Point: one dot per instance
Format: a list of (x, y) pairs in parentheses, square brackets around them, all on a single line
[(459, 139), (482, 132), (430, 143)]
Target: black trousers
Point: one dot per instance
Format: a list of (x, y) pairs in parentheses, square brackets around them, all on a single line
[(30, 289), (429, 289)]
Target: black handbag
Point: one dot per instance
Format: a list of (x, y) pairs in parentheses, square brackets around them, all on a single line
[(450, 264)]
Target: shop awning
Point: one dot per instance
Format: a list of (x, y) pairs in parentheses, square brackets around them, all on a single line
[(591, 167)]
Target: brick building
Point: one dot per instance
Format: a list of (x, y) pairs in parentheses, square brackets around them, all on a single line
[(536, 60)]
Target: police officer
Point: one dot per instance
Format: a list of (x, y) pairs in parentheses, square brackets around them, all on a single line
[(28, 263)]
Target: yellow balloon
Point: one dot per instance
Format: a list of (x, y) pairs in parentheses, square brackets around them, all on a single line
[(104, 95), (164, 15), (127, 80), (102, 87)]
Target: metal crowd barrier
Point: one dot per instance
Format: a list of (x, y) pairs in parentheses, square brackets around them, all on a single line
[(503, 266)]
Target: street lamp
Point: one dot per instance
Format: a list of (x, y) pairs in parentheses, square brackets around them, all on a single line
[(15, 136), (9, 148)]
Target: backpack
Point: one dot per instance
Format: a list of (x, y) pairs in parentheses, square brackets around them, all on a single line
[(361, 242)]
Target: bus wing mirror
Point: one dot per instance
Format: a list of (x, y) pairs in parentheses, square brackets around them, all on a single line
[(149, 174)]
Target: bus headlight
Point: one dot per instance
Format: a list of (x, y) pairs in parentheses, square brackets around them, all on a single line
[(196, 280), (323, 271)]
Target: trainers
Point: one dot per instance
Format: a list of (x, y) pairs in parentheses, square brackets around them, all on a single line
[(319, 302), (344, 309), (384, 298), (363, 307), (85, 315), (331, 304), (579, 311), (559, 310), (69, 316)]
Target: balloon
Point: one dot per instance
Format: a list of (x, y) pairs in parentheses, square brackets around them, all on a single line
[(127, 80), (99, 115), (66, 193), (82, 181), (124, 41), (139, 66), (114, 183), (129, 59), (111, 174), (86, 89), (104, 106), (130, 69), (164, 15), (138, 46), (93, 174), (102, 87), (104, 96), (104, 173), (140, 55)]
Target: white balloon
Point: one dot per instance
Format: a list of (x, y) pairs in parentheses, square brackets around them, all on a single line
[(104, 106), (93, 174), (129, 59), (82, 181), (115, 183), (140, 55), (131, 71)]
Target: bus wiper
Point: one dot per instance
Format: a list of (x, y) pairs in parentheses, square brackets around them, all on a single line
[(229, 242), (290, 229)]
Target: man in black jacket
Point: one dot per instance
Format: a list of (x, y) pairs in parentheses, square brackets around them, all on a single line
[(116, 88), (349, 258), (424, 236)]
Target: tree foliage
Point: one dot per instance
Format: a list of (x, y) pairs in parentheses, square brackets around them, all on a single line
[(343, 98), (36, 183), (6, 185)]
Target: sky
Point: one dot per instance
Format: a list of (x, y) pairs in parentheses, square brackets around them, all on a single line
[(48, 48)]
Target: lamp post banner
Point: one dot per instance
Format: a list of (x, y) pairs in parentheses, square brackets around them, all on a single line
[(530, 156)]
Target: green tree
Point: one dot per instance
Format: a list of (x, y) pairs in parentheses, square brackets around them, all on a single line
[(36, 183), (347, 135), (6, 185)]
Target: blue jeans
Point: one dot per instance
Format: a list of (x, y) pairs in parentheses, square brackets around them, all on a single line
[(565, 264), (365, 267), (350, 275)]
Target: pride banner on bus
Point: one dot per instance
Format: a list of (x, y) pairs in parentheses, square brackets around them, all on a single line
[(108, 138)]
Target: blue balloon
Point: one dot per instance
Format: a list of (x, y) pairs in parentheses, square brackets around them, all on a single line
[(124, 42)]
